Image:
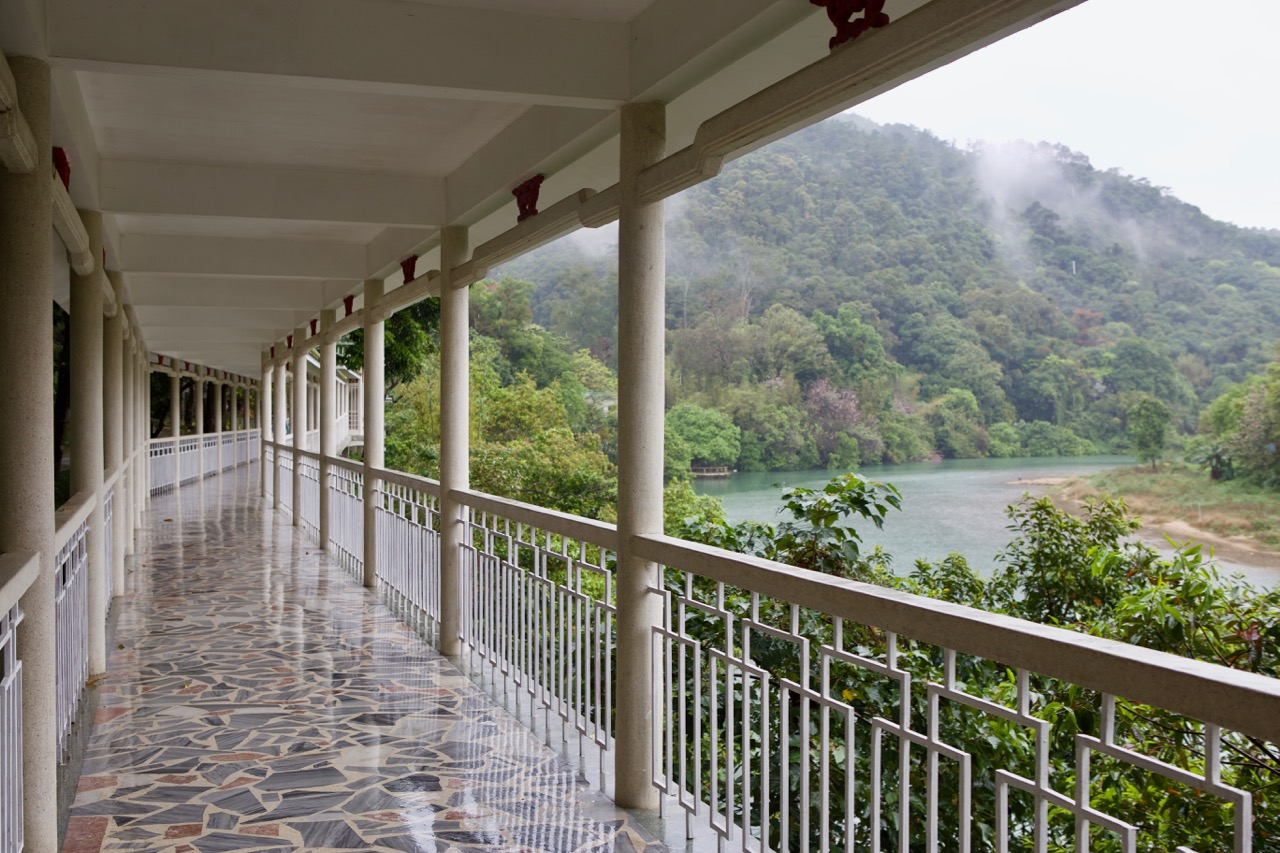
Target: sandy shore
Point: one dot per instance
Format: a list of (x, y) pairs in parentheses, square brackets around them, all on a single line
[(1241, 552)]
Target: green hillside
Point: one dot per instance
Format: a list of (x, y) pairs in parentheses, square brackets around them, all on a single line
[(857, 293)]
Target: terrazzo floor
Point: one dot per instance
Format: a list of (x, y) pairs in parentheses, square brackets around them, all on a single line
[(258, 699)]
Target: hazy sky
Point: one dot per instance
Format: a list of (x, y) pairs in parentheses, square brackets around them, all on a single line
[(1185, 93)]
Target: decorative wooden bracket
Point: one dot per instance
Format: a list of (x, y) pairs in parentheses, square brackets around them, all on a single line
[(407, 267), (527, 197), (62, 166), (348, 302), (841, 11), (313, 328), (290, 342)]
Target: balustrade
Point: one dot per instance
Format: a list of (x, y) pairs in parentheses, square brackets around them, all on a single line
[(11, 834), (409, 547), (71, 612), (346, 506)]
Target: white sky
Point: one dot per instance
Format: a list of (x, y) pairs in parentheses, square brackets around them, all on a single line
[(1185, 93)]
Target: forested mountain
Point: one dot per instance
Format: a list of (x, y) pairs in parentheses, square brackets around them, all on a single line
[(858, 293)]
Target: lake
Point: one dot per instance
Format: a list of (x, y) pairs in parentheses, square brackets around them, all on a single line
[(952, 505)]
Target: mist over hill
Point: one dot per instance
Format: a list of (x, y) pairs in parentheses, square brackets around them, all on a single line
[(885, 295)]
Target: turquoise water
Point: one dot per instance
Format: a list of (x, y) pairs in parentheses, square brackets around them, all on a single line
[(953, 505)]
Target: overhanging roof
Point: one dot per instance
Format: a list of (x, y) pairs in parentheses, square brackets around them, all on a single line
[(256, 161)]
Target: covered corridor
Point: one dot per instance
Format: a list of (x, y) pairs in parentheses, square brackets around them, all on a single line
[(258, 698)]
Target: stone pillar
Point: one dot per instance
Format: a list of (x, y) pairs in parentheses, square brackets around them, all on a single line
[(374, 437), (86, 432), (217, 418), (265, 424), (129, 440), (175, 406), (115, 404), (280, 406), (641, 348), (26, 441), (198, 390), (455, 447), (144, 430), (299, 417), (328, 438)]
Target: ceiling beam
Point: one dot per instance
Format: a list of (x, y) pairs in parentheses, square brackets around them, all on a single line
[(196, 292), (240, 256), (327, 195), (378, 44)]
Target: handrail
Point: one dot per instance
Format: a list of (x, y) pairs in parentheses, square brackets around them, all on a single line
[(410, 481), (111, 479), (570, 526), (71, 515), (18, 571), (1242, 701)]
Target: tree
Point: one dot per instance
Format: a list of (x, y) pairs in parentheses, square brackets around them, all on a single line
[(1148, 425), (711, 437)]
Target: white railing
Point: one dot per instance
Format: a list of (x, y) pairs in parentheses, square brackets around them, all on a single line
[(286, 477), (228, 450), (71, 611), (163, 453), (408, 543), (268, 462), (800, 711), (209, 451), (311, 441), (539, 609), (309, 501), (185, 460), (346, 509), (758, 660), (189, 458), (17, 573)]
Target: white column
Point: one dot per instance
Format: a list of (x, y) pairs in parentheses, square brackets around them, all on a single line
[(328, 439), (129, 440), (217, 418), (265, 424), (198, 389), (299, 417), (142, 427), (115, 401), (175, 406), (374, 448), (86, 432), (455, 447), (26, 441), (280, 406), (641, 347)]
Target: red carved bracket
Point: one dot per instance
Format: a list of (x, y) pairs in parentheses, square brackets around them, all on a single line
[(62, 166), (527, 197), (348, 302), (290, 342), (161, 360), (407, 267), (273, 352), (841, 11), (313, 328)]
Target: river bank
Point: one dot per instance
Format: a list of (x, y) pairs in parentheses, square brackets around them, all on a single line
[(1240, 523)]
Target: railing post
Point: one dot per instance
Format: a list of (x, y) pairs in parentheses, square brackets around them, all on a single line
[(454, 435), (279, 408), (641, 347), (299, 418), (86, 432), (26, 441), (114, 430), (374, 449), (328, 438)]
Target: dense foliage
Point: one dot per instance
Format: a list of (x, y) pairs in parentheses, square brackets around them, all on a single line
[(1240, 430)]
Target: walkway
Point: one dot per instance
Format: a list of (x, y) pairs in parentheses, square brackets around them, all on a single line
[(258, 699)]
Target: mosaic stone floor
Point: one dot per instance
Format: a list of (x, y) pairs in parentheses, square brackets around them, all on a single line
[(258, 699)]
